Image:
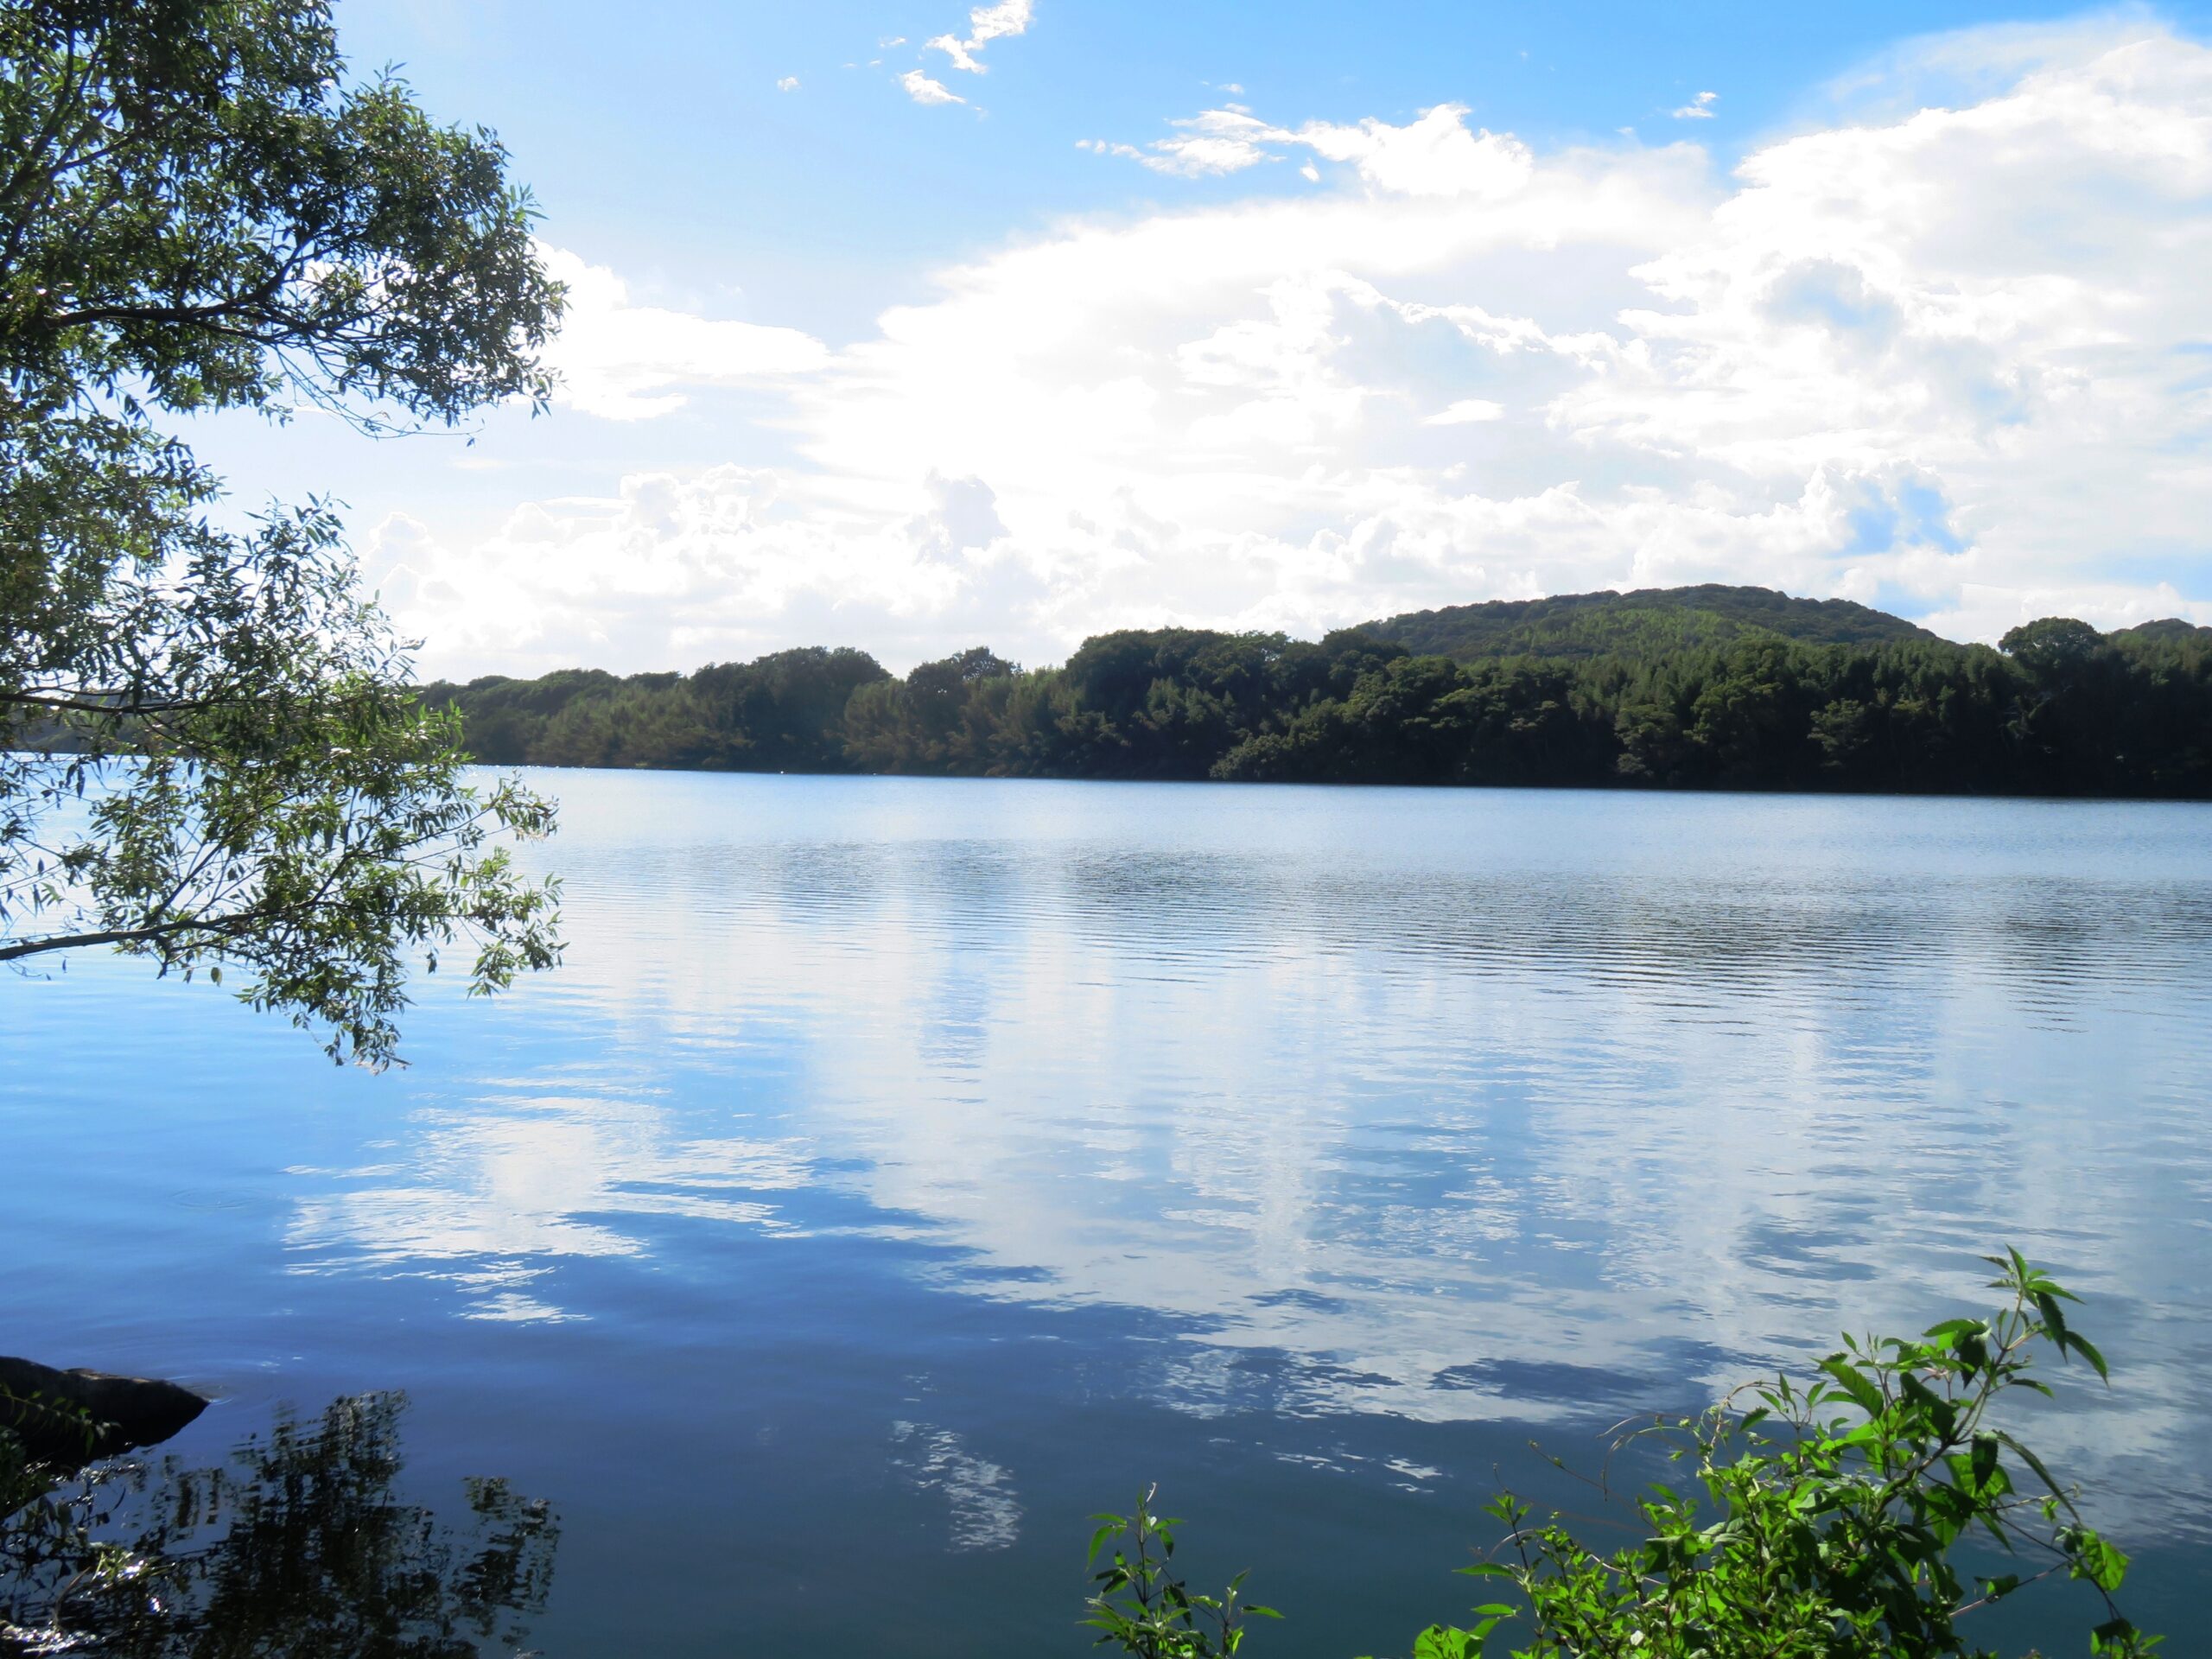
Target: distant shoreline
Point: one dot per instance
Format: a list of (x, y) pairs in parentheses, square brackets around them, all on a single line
[(1730, 690), (1609, 791)]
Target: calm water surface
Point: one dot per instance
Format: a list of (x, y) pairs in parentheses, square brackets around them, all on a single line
[(901, 1170)]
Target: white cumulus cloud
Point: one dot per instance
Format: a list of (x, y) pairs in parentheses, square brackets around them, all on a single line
[(985, 24), (1435, 156), (1697, 109), (629, 362)]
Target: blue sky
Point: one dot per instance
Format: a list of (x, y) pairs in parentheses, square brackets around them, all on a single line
[(1419, 303), (666, 149)]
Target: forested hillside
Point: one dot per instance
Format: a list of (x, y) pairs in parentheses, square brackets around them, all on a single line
[(1685, 696), (1642, 623)]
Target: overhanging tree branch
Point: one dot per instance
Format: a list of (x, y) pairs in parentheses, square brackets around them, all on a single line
[(213, 927), (200, 209)]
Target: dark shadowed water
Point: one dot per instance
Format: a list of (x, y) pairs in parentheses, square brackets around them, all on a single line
[(901, 1170)]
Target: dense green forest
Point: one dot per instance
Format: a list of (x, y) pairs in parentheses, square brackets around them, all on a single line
[(1643, 623), (1710, 688)]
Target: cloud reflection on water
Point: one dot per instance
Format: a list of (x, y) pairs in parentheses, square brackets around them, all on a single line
[(1444, 1106), (509, 1182)]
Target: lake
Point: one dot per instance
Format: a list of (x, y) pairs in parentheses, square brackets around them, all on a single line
[(901, 1171)]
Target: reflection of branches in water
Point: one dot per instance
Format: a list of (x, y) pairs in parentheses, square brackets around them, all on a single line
[(297, 1547)]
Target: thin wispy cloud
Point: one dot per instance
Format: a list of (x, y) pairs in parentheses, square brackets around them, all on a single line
[(1208, 144), (1697, 109), (923, 90), (1437, 154)]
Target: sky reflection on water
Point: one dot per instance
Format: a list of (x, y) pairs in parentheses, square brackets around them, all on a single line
[(935, 1154)]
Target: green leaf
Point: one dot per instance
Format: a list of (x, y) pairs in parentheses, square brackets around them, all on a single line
[(2082, 1346), (2093, 1557), (1985, 1446), (2118, 1635), (1437, 1642), (1854, 1383), (2054, 1316), (2031, 1460)]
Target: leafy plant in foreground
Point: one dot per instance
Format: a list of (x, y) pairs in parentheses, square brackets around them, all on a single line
[(1140, 1603), (1833, 1516)]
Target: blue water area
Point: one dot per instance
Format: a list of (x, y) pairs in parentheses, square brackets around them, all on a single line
[(901, 1171)]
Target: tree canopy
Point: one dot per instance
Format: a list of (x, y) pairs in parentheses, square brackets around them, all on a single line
[(1611, 623), (2060, 709), (208, 754)]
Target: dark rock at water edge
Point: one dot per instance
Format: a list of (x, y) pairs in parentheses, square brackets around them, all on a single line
[(81, 1416)]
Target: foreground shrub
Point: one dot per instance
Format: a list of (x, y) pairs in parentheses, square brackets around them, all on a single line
[(1826, 1521)]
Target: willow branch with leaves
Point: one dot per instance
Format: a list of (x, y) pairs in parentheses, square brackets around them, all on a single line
[(210, 755)]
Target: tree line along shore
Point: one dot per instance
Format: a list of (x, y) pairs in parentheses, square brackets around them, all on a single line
[(1704, 688)]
